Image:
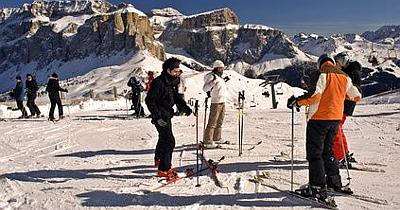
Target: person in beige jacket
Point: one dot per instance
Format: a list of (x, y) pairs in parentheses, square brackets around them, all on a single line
[(215, 87)]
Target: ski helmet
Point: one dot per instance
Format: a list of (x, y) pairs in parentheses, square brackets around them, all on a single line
[(323, 58), (342, 58)]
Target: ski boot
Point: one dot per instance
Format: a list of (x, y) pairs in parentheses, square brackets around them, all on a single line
[(335, 183), (310, 191)]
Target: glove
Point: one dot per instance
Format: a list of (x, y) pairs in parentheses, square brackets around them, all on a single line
[(188, 111), (226, 79), (161, 122), (66, 90), (208, 94), (292, 102)]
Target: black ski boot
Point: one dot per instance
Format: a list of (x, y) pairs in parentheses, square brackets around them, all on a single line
[(311, 191), (335, 183), (350, 158)]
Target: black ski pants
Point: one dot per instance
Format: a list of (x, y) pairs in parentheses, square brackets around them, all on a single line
[(319, 140), (20, 105), (55, 100), (137, 104), (33, 108), (165, 146)]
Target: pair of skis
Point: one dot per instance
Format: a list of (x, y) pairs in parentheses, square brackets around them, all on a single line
[(189, 173), (328, 203)]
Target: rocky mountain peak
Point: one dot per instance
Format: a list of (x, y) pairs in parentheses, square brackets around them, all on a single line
[(220, 17)]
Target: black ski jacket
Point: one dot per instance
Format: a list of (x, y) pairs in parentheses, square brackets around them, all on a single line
[(31, 87), (354, 72), (53, 88), (162, 96)]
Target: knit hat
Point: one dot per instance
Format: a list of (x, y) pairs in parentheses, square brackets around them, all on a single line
[(218, 64), (18, 77)]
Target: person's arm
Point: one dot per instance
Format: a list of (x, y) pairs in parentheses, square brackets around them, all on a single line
[(352, 93), (209, 82), (59, 88), (151, 99), (319, 89)]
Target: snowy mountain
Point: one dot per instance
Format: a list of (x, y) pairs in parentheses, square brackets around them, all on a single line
[(217, 34), (160, 19), (47, 36), (384, 32)]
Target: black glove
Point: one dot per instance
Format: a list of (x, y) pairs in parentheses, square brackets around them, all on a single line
[(188, 111), (208, 94), (292, 102), (226, 79), (66, 90)]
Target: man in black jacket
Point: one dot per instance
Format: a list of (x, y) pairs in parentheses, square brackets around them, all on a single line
[(53, 88), (161, 98), (353, 69), (31, 93)]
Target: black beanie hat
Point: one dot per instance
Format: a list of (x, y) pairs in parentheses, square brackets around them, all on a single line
[(18, 77), (55, 75)]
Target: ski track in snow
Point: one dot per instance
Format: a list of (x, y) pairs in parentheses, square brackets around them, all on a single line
[(75, 163)]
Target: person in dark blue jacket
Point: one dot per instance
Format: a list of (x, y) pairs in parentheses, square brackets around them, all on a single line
[(19, 96), (31, 93), (53, 88)]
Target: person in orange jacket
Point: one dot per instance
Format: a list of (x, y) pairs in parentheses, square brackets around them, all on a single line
[(325, 112)]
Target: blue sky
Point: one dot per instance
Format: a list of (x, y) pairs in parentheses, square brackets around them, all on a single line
[(291, 16)]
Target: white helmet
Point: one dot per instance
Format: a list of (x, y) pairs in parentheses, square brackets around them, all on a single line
[(218, 64), (342, 58)]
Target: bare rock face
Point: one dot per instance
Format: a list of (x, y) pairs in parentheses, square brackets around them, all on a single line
[(43, 32), (218, 35)]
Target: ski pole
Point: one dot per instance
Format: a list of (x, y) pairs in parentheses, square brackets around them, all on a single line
[(292, 148), (126, 103), (344, 153), (196, 111), (205, 115), (241, 130), (239, 122)]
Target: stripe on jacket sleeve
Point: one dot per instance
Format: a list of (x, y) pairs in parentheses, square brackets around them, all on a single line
[(352, 92)]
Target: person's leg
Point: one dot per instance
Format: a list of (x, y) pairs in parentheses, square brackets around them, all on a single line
[(166, 145), (52, 107), (20, 105), (134, 101), (30, 106), (212, 124), (337, 147), (35, 107), (60, 107), (220, 119), (315, 135), (331, 164)]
